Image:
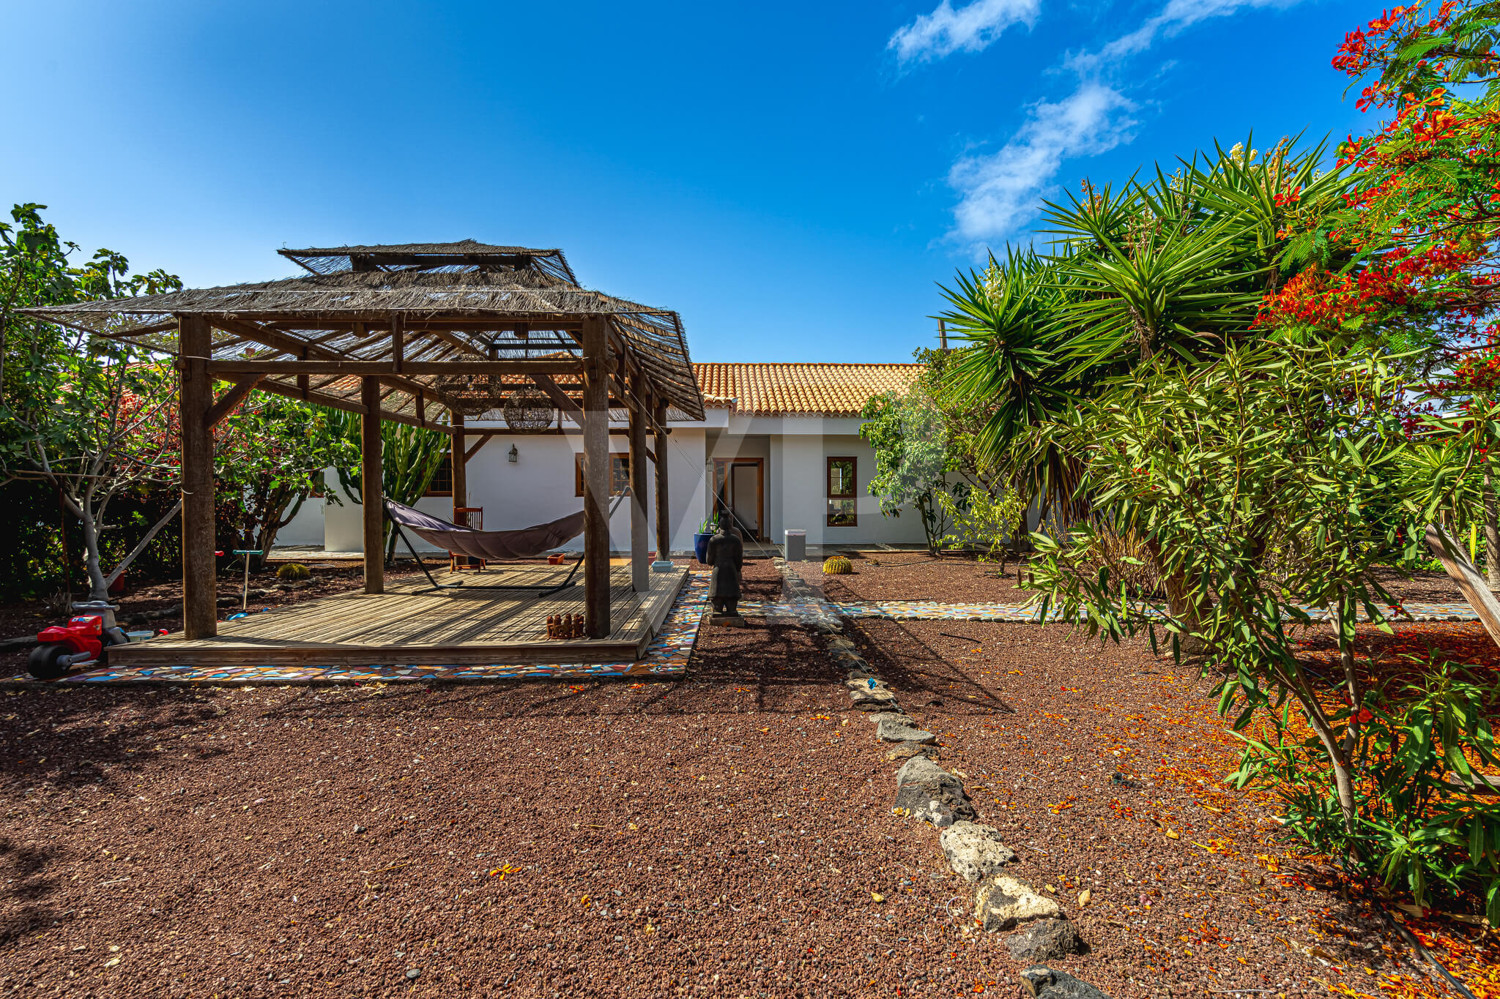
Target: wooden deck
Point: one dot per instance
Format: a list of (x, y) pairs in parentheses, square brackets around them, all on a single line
[(412, 626)]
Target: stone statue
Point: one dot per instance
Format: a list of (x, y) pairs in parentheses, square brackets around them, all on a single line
[(726, 553)]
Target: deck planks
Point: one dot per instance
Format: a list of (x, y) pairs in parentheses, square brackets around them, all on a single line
[(406, 626)]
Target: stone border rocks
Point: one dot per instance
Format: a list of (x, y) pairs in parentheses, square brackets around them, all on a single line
[(926, 791)]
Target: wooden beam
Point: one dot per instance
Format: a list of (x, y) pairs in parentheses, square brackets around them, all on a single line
[(596, 476), (331, 401), (484, 439), (277, 366), (663, 511), (459, 459), (640, 567), (195, 400), (371, 487), (236, 394), (398, 343), (559, 398), (305, 349)]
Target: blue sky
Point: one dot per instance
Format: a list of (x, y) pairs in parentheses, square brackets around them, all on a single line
[(795, 179)]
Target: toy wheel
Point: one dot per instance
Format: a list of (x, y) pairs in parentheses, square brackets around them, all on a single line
[(46, 662)]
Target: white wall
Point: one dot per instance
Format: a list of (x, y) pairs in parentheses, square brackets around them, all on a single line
[(541, 486)]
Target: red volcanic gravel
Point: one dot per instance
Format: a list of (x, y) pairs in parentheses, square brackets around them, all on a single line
[(947, 578), (724, 835)]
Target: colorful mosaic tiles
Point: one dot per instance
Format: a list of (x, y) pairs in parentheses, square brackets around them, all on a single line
[(666, 657), (932, 610)]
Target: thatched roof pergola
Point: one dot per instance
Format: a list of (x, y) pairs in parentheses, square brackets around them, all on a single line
[(418, 333), (418, 315)]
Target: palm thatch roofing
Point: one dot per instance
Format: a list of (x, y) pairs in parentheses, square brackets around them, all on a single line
[(463, 302)]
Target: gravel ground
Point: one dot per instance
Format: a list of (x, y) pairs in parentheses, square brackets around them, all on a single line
[(728, 835), (720, 836), (959, 578)]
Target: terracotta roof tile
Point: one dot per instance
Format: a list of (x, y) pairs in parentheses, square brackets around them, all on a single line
[(812, 389)]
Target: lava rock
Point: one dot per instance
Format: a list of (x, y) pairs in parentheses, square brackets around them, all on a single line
[(1044, 940), (901, 729), (1003, 903), (1045, 983), (974, 851), (926, 791), (906, 750)]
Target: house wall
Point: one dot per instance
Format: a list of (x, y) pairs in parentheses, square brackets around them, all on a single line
[(538, 487)]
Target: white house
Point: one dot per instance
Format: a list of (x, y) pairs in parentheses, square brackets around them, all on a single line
[(780, 448)]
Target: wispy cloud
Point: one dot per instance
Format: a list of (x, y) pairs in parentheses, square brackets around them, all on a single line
[(1000, 190), (1173, 18), (968, 29)]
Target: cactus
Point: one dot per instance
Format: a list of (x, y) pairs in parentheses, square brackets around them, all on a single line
[(838, 566), (293, 571)]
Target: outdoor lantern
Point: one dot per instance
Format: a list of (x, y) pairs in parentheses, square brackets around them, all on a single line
[(514, 454)]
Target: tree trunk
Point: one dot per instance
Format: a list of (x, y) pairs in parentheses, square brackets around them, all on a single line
[(1491, 533)]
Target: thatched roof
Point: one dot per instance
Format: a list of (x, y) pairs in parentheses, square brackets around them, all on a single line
[(455, 302), (464, 254)]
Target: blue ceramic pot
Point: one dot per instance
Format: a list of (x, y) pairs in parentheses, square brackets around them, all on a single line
[(700, 546)]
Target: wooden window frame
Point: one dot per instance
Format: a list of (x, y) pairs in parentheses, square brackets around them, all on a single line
[(448, 462), (619, 465), (830, 496)]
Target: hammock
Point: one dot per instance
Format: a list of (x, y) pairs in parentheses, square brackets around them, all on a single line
[(528, 542)]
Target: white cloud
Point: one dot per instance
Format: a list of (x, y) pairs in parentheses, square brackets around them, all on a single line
[(999, 190), (969, 28), (998, 193), (1174, 17)]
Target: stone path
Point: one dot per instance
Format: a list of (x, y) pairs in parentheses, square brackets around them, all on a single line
[(1039, 928)]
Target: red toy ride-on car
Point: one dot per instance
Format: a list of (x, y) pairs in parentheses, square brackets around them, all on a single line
[(81, 640)]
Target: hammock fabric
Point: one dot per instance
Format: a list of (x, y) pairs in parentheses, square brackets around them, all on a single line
[(528, 542)]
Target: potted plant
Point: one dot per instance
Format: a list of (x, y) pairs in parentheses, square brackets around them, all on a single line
[(705, 531)]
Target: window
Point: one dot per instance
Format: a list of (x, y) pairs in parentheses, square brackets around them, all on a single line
[(619, 478), (841, 496), (442, 479)]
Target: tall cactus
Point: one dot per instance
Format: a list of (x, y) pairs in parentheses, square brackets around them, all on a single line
[(410, 457)]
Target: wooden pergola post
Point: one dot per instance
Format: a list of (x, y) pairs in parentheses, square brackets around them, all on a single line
[(640, 567), (195, 399), (371, 486), (596, 477), (458, 459), (663, 516)]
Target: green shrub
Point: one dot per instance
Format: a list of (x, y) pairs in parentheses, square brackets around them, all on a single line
[(1415, 825), (293, 571), (838, 565)]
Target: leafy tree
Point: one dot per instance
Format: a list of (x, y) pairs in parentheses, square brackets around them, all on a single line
[(1273, 480), (272, 456), (82, 414)]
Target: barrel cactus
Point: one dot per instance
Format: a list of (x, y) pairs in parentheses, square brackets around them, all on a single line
[(293, 571), (838, 565)]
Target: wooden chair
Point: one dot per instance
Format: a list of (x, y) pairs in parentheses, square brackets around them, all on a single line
[(467, 516)]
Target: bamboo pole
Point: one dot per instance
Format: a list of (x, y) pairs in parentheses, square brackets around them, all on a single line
[(195, 400)]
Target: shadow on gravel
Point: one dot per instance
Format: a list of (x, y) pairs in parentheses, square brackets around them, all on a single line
[(25, 888), (69, 737), (914, 668)]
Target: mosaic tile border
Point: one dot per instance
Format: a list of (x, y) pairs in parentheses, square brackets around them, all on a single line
[(666, 658)]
